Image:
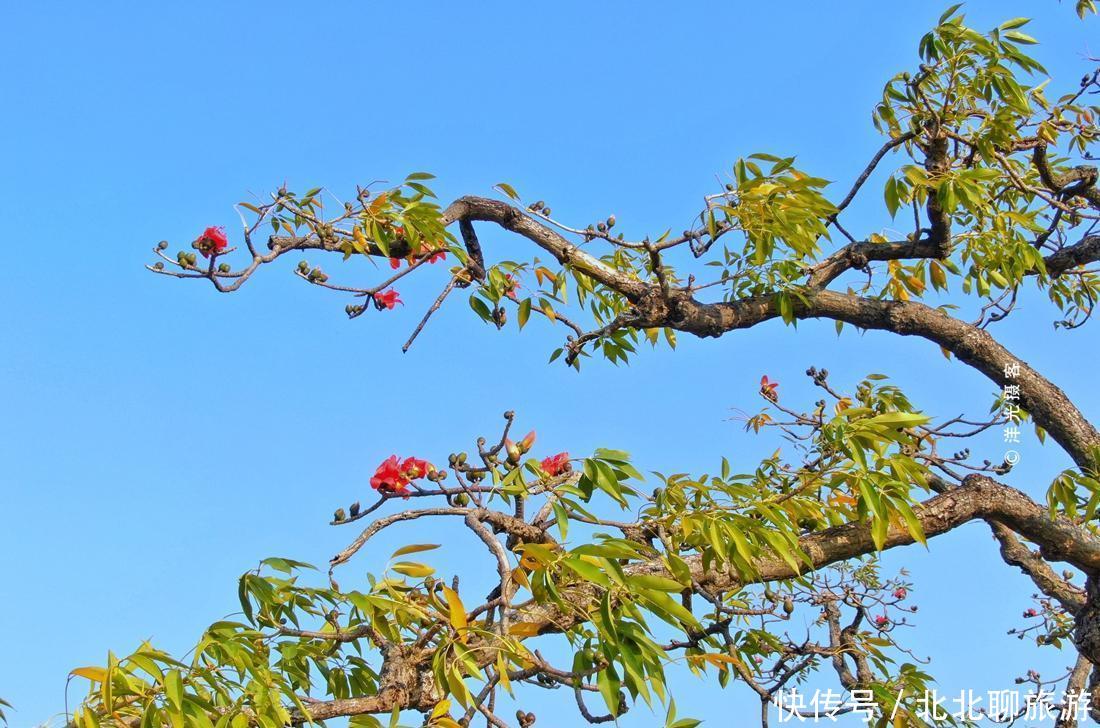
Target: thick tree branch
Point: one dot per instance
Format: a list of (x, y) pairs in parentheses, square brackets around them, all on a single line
[(1048, 405), (1017, 554)]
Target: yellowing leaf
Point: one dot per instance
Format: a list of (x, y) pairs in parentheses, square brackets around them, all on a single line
[(457, 610), (409, 568), (502, 670), (96, 674), (524, 629), (441, 708), (507, 189), (414, 549)]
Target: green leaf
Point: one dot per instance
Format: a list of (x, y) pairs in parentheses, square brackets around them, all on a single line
[(524, 312), (480, 308), (587, 571), (652, 581), (173, 689), (609, 684), (899, 419)]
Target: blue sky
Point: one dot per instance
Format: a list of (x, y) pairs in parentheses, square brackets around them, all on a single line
[(159, 439)]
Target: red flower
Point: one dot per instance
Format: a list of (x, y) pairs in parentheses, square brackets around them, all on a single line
[(212, 241), (768, 387), (557, 464), (900, 593), (389, 477), (882, 620), (387, 300), (416, 468), (1031, 613), (394, 475), (435, 257), (511, 285)]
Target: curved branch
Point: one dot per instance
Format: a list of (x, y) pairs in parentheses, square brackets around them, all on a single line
[(979, 498), (677, 309), (1047, 404)]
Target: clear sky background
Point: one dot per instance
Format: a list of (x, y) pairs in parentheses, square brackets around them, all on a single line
[(158, 439)]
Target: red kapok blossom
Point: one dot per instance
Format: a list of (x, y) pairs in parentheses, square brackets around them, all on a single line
[(414, 468), (390, 477), (212, 241), (394, 474), (557, 464), (387, 300), (516, 450), (1031, 613), (900, 593), (511, 285), (768, 387), (435, 257), (882, 620)]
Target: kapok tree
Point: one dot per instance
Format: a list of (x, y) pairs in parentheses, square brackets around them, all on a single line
[(988, 173)]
